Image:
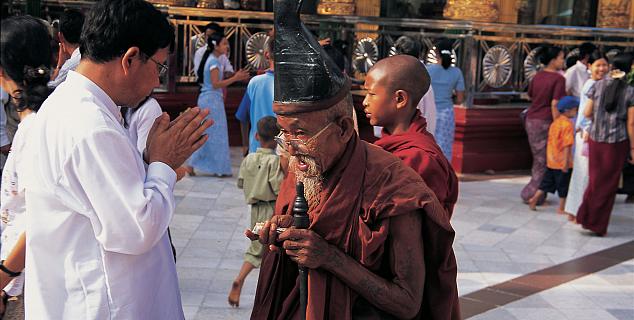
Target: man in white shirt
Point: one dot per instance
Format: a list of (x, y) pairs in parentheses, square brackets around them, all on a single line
[(97, 246), (70, 25), (577, 75)]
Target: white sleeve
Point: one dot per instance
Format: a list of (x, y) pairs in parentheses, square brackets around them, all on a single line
[(227, 64), (427, 107), (570, 79), (129, 210), (146, 116)]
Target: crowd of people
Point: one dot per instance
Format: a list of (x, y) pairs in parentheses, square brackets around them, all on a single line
[(86, 208), (580, 127)]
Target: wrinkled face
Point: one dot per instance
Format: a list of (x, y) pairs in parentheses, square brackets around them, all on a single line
[(312, 147), (379, 104), (143, 76), (598, 69)]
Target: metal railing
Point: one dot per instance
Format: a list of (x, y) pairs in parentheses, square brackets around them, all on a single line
[(497, 60)]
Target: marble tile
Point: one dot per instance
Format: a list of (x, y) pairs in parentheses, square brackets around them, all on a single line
[(497, 238)]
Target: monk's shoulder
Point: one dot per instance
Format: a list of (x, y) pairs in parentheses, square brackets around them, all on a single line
[(386, 174), (383, 163)]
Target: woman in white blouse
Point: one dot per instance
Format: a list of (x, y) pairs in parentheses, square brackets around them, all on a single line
[(24, 73)]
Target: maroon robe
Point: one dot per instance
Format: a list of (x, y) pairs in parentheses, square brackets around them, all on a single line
[(418, 149), (366, 188)]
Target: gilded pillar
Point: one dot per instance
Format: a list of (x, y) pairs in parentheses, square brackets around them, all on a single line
[(615, 14), (472, 10), (336, 7)]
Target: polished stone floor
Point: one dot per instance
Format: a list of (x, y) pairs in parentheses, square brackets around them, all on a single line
[(498, 239)]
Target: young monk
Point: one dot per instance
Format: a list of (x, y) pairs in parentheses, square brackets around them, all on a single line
[(395, 85)]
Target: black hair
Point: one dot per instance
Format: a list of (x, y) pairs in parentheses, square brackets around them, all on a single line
[(409, 46), (212, 42), (114, 26), (586, 49), (70, 25), (571, 61), (444, 48), (614, 90), (25, 57), (215, 27), (596, 55), (547, 53), (268, 128)]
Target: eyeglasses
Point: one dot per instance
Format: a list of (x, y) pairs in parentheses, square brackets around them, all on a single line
[(162, 68), (296, 143)]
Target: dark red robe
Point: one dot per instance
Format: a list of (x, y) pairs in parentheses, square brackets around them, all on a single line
[(366, 188), (418, 149)]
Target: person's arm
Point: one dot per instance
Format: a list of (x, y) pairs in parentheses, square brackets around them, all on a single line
[(5, 143), (567, 158), (460, 88), (588, 112), (553, 108), (630, 131), (15, 260), (243, 116), (217, 83), (559, 91), (128, 208), (401, 295), (459, 97)]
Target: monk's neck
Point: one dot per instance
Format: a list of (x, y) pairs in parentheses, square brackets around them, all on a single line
[(398, 128)]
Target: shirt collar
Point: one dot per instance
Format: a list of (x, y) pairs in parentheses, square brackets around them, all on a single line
[(75, 53), (265, 150), (581, 65), (79, 80)]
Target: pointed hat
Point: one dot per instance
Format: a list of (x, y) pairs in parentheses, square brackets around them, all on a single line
[(306, 78)]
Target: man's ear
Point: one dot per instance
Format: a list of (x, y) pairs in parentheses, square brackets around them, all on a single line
[(402, 99), (347, 128), (128, 58)]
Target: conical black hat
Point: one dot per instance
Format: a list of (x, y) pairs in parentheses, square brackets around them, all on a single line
[(306, 78)]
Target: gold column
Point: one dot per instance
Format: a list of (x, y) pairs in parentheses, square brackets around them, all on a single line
[(508, 10), (336, 7), (615, 14), (472, 10)]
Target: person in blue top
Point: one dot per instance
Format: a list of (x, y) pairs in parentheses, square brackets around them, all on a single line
[(213, 157), (257, 103), (445, 80)]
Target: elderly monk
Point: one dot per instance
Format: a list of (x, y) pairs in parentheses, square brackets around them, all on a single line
[(394, 86), (379, 242)]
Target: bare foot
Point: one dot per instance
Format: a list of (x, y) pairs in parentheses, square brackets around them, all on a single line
[(234, 294), (190, 171), (572, 218), (532, 203)]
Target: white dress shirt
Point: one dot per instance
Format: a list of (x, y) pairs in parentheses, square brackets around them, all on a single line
[(12, 202), (68, 65), (223, 59), (141, 120), (97, 246), (576, 76)]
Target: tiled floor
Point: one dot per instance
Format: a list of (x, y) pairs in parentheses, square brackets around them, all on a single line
[(498, 239)]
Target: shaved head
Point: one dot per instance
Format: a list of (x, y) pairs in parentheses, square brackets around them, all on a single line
[(403, 72)]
